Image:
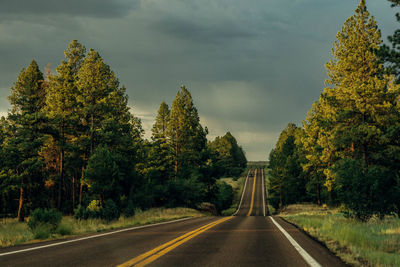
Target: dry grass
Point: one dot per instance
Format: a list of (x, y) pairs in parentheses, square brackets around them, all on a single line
[(374, 243), (13, 232)]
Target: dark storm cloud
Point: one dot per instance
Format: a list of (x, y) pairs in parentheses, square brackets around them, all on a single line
[(252, 66), (202, 33), (92, 8)]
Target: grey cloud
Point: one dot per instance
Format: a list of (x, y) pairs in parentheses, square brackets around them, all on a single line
[(251, 66), (91, 8)]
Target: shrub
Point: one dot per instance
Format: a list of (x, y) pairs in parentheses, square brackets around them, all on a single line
[(110, 211), (44, 218), (41, 231), (65, 229), (81, 213), (130, 209), (224, 196)]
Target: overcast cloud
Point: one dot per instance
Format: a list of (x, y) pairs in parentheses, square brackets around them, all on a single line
[(252, 66)]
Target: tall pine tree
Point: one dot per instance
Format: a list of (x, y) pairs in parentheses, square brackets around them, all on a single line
[(186, 135), (27, 122)]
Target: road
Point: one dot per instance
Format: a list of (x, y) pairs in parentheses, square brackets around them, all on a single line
[(247, 239)]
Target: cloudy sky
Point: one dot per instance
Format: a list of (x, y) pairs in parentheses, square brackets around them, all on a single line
[(251, 66)]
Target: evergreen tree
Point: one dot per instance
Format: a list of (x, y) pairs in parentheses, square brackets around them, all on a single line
[(287, 180), (230, 159), (27, 123), (391, 55), (61, 108), (160, 153), (314, 165), (355, 113), (186, 135)]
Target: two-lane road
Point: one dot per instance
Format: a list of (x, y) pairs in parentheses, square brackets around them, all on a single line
[(247, 239)]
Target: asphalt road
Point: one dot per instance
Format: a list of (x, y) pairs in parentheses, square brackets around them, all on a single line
[(248, 239)]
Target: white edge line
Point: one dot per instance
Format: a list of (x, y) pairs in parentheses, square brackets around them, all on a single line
[(90, 237), (244, 189), (310, 260), (262, 172)]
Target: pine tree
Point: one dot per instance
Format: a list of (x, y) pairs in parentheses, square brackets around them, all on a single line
[(355, 113), (287, 182), (105, 117), (230, 159), (314, 165), (186, 135), (160, 153), (61, 107), (390, 55), (27, 126)]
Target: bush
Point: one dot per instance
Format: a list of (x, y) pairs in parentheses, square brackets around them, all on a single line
[(65, 229), (110, 211), (224, 196), (80, 213), (41, 231), (44, 218), (130, 209)]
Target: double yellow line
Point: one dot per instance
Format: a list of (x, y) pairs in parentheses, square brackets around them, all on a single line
[(159, 251), (252, 194)]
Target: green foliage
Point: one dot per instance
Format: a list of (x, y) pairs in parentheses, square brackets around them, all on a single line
[(71, 143), (110, 211), (129, 210), (81, 213), (44, 218), (224, 196), (287, 180), (102, 174), (185, 192), (26, 123), (366, 191), (186, 136), (230, 159)]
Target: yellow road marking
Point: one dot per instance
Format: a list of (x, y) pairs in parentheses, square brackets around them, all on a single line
[(252, 194), (159, 251)]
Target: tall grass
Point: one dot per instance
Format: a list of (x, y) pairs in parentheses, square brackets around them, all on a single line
[(13, 232), (374, 243)]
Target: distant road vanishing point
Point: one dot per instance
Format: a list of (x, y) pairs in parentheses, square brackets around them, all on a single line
[(249, 238)]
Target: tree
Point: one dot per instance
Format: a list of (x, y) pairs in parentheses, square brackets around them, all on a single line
[(104, 112), (61, 105), (354, 113), (26, 123), (160, 165), (318, 155), (186, 135), (391, 55), (229, 156), (287, 180), (102, 175)]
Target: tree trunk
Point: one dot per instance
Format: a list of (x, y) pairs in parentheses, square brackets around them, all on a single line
[(319, 194), (81, 186), (73, 192), (176, 156), (280, 197), (91, 134), (61, 178), (21, 203)]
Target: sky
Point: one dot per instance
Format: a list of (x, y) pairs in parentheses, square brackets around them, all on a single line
[(252, 66)]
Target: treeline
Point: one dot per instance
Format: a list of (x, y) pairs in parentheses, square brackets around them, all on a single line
[(348, 151), (70, 141)]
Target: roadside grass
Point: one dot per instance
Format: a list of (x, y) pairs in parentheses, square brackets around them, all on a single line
[(13, 232), (374, 243), (237, 186)]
